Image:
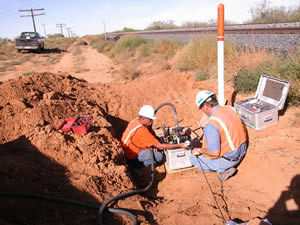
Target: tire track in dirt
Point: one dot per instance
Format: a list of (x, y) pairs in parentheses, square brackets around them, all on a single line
[(88, 64)]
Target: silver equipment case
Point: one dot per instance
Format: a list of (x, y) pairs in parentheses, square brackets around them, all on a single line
[(261, 111), (178, 158)]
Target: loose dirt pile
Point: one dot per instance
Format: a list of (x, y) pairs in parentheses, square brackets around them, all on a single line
[(37, 157)]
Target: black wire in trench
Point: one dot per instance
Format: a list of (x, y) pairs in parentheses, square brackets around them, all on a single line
[(223, 218), (125, 195)]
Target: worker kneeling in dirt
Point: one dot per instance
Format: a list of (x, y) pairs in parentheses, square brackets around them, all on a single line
[(138, 138), (224, 142)]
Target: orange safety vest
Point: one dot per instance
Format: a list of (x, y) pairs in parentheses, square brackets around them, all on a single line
[(230, 127), (126, 138)]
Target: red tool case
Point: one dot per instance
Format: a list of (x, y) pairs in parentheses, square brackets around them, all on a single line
[(79, 125)]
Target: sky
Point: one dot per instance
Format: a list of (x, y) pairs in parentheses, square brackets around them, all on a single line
[(84, 17)]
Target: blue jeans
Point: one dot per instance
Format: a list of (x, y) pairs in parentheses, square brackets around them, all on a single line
[(219, 164), (144, 156)]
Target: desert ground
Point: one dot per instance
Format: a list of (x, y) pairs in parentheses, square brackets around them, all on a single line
[(36, 157)]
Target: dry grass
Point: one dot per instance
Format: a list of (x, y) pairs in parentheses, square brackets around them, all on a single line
[(166, 48), (129, 71), (143, 51), (59, 43), (200, 54), (7, 51), (77, 51), (250, 59)]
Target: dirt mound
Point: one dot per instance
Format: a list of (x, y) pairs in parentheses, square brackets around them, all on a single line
[(37, 157)]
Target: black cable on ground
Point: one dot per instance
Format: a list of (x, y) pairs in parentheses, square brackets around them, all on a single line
[(36, 196), (211, 191), (48, 198), (122, 196)]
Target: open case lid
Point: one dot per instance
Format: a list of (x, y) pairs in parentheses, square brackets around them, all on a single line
[(272, 90)]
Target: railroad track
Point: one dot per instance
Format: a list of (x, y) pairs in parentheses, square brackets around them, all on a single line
[(281, 37), (272, 28)]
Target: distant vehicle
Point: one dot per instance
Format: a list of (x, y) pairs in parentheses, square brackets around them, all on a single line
[(30, 41)]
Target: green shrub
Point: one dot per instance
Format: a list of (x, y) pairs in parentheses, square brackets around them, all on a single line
[(202, 75), (144, 50), (293, 98), (264, 13), (290, 71), (129, 43), (246, 81), (161, 25)]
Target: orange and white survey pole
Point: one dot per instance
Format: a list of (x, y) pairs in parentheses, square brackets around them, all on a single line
[(220, 39)]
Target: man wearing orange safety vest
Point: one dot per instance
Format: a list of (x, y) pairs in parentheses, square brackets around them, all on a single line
[(224, 143), (138, 138)]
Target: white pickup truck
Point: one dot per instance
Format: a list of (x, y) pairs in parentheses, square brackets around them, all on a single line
[(30, 41)]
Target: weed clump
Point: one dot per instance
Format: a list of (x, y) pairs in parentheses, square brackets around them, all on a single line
[(129, 71), (166, 47), (129, 43), (202, 75)]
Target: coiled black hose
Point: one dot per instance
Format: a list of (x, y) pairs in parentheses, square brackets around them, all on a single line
[(122, 196), (100, 209), (37, 196), (174, 109)]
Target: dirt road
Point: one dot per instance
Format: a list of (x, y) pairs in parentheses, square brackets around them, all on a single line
[(267, 183)]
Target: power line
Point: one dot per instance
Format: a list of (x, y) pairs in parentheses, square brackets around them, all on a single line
[(32, 15)]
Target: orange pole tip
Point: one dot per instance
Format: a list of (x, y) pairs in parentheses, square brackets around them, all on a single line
[(220, 20)]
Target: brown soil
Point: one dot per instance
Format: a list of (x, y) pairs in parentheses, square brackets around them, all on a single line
[(36, 157)]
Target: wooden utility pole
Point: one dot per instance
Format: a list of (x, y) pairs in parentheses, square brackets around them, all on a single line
[(44, 30), (105, 36), (68, 29), (32, 15), (61, 25)]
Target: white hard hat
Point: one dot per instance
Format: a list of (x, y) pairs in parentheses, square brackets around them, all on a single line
[(202, 96), (148, 112)]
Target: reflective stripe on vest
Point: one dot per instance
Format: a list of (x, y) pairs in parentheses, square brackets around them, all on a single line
[(228, 138), (131, 133), (230, 128)]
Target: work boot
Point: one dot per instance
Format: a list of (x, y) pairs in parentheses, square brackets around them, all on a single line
[(227, 173)]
